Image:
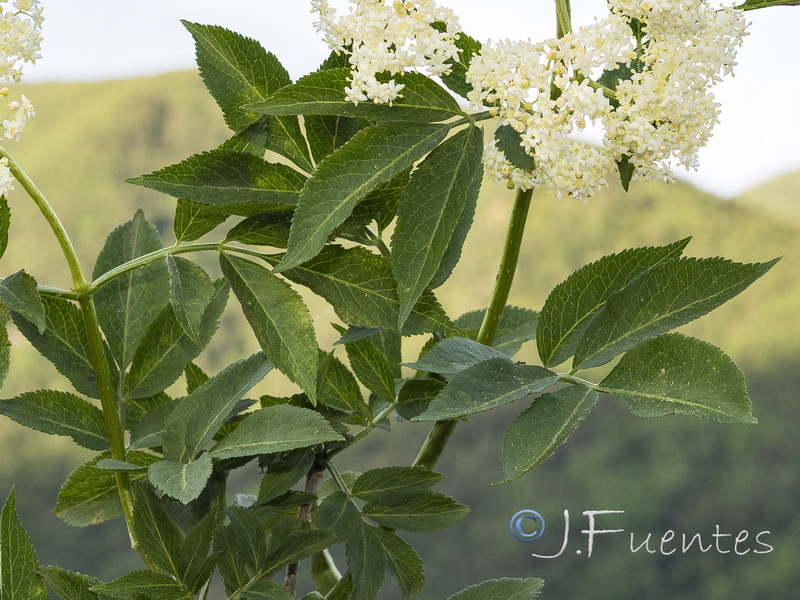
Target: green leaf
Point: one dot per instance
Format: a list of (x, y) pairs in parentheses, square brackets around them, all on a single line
[(517, 326), (195, 377), (326, 133), (626, 170), (509, 141), (675, 374), (416, 396), (70, 586), (89, 496), (279, 318), (250, 542), (18, 561), (166, 348), (468, 47), (266, 590), (403, 562), (323, 93), (360, 287), (275, 429), (418, 513), (20, 294), (5, 344), (367, 561), (544, 426), (198, 416), (63, 343), (339, 515), (5, 222), (112, 464), (158, 537), (453, 355), (269, 229), (337, 386), (429, 212), (59, 413), (372, 156), (386, 482), (286, 549), (127, 304), (666, 296), (502, 589), (283, 474), (572, 303), (236, 182), (191, 290), (371, 367), (487, 385), (193, 220), (182, 481), (149, 431), (148, 584), (754, 4)]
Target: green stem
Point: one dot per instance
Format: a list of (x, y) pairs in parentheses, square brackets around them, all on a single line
[(563, 18), (342, 590), (442, 430)]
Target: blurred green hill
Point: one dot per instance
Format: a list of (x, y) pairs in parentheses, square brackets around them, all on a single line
[(667, 474)]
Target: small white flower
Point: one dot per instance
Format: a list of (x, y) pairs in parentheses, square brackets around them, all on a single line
[(6, 179)]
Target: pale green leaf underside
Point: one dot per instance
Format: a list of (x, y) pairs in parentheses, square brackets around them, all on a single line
[(517, 326), (502, 589), (191, 290), (18, 560), (19, 293), (182, 481), (453, 355)]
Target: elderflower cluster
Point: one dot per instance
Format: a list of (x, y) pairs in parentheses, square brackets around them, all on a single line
[(644, 73), (388, 37)]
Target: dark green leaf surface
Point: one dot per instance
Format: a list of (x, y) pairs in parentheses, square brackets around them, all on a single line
[(182, 481), (59, 413), (429, 212), (195, 377), (158, 537), (386, 482), (517, 326), (754, 4), (89, 496), (322, 93), (487, 385), (339, 515), (18, 560), (193, 220), (279, 318), (453, 355), (675, 374), (509, 141), (371, 367), (198, 416), (456, 80), (266, 590), (544, 426), (666, 296), (416, 396), (337, 386), (20, 295), (403, 562), (191, 290), (418, 513), (5, 344), (372, 156), (570, 306), (275, 429), (70, 586), (502, 589), (626, 170), (326, 133), (283, 474), (128, 304), (367, 561), (293, 547), (5, 222), (147, 584), (149, 431), (166, 348), (112, 464), (269, 229), (239, 183)]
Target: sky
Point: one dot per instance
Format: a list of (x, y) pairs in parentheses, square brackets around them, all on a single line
[(758, 137)]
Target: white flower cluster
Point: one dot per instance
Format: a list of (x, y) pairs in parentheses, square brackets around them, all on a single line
[(388, 37), (655, 62)]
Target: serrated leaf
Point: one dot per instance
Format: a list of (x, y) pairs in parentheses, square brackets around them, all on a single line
[(152, 585), (137, 408), (287, 549), (517, 326), (453, 355), (367, 561), (626, 170), (416, 396), (5, 222), (198, 416), (63, 343), (89, 496), (360, 287), (275, 429), (193, 220), (59, 413), (5, 344), (182, 481), (112, 464), (326, 133), (70, 586), (509, 142), (279, 318), (158, 537), (127, 304), (251, 544), (569, 307), (339, 515), (266, 590), (386, 482), (323, 93), (418, 513), (754, 4), (429, 211), (502, 589), (20, 294), (191, 290), (487, 385), (544, 426), (18, 560), (283, 474), (666, 296), (372, 368), (675, 374), (403, 562), (236, 182), (372, 156), (468, 47), (195, 377), (149, 431), (269, 229), (166, 348), (337, 386)]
